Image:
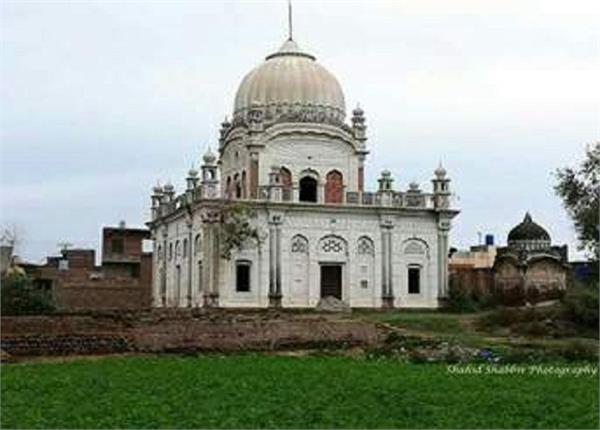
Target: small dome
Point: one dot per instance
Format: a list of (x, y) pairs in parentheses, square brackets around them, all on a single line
[(385, 173), (413, 186), (209, 157), (528, 230), (358, 111), (291, 78), (157, 189), (440, 172), (192, 173), (169, 188)]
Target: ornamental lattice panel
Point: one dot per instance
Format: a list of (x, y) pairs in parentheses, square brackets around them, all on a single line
[(333, 245), (299, 245), (365, 246)]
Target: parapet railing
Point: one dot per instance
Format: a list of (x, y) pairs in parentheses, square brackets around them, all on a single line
[(398, 199)]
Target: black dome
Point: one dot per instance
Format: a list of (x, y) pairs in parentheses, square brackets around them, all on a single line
[(528, 230)]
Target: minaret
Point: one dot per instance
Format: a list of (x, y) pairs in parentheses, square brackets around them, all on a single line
[(210, 182), (169, 192), (386, 188), (157, 196), (358, 126), (441, 188), (275, 185), (191, 182)]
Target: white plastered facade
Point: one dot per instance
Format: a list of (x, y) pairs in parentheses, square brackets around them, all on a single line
[(372, 239)]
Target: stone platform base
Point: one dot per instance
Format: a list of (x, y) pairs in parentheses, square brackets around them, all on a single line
[(181, 331)]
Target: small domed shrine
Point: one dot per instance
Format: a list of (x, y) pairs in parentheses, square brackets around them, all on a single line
[(529, 267), (291, 158), (529, 236)]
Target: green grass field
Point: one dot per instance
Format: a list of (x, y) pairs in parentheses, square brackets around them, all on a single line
[(258, 391)]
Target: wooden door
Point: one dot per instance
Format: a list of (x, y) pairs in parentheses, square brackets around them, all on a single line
[(331, 281)]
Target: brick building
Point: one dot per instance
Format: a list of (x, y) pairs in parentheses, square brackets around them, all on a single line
[(472, 270), (529, 268), (121, 281)]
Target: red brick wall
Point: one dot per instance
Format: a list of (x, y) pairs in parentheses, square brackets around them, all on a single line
[(132, 243), (102, 296), (478, 281), (146, 268), (80, 258), (164, 331)]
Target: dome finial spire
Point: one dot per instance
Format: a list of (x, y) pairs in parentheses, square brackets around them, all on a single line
[(290, 20)]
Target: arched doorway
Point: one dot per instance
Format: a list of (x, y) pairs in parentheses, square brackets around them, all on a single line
[(228, 187), (334, 187), (308, 189), (286, 181), (243, 184), (237, 186)]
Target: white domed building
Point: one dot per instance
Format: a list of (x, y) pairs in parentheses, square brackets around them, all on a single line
[(290, 156)]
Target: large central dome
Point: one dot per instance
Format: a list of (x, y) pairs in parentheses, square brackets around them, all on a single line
[(291, 80)]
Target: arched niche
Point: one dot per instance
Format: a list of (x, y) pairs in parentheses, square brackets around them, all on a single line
[(334, 187)]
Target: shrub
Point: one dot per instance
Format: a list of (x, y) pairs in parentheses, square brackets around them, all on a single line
[(19, 297), (460, 300), (579, 350), (501, 317), (581, 304)]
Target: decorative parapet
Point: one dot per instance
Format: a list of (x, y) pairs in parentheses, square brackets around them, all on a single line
[(406, 200)]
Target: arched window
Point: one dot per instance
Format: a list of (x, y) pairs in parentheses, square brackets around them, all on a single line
[(365, 246), (308, 189), (286, 182), (197, 245), (366, 262), (243, 184), (334, 187), (228, 187), (185, 248), (237, 186), (299, 244), (170, 251), (177, 249)]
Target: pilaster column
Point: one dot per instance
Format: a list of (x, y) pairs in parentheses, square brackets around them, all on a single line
[(163, 274), (387, 296), (275, 260), (384, 263), (390, 267), (212, 257), (361, 173), (253, 175), (190, 265), (155, 285), (272, 262), (443, 230), (321, 192)]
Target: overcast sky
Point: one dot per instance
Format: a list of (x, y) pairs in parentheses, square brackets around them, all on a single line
[(99, 100)]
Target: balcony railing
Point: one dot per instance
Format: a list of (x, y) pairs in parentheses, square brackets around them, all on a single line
[(408, 199)]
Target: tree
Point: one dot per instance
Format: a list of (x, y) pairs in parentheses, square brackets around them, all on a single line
[(579, 189), (18, 295), (237, 230)]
